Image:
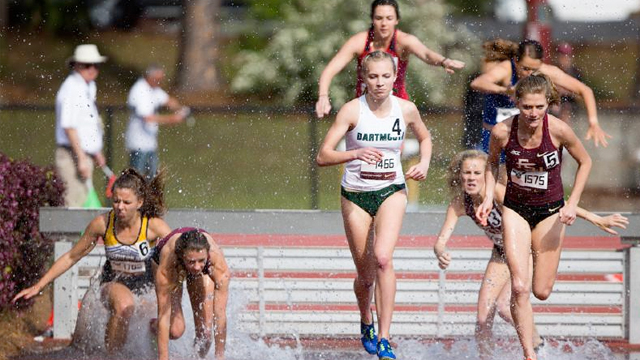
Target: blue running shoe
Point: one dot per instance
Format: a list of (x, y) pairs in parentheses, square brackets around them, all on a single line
[(369, 338), (385, 352)]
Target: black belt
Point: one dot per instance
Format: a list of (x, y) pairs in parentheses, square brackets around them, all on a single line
[(69, 149), (66, 147)]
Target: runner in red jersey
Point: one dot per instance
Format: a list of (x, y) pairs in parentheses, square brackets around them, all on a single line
[(399, 88), (534, 213), (533, 174), (382, 35)]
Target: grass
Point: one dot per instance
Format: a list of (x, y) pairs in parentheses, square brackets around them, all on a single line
[(231, 161), (227, 161), (610, 69)]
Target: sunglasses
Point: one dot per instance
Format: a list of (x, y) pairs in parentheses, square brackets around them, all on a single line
[(87, 66)]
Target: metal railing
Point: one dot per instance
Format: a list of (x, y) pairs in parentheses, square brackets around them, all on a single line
[(287, 262)]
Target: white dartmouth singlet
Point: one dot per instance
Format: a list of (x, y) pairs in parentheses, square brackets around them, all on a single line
[(386, 134)]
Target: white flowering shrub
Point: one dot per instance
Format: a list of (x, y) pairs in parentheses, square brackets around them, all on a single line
[(313, 31)]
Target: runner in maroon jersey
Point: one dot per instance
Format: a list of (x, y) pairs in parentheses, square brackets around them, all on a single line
[(382, 35), (467, 185), (534, 212)]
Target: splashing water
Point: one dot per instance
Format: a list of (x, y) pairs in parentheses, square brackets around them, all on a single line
[(88, 339), (88, 342)]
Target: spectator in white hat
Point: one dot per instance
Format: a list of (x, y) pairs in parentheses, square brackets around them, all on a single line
[(79, 128)]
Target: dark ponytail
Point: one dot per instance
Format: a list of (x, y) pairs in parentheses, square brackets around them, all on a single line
[(530, 48)]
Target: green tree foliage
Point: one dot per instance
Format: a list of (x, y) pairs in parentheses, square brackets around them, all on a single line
[(67, 17), (311, 32), (477, 8)]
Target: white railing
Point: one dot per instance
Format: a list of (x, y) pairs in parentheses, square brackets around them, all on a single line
[(307, 290)]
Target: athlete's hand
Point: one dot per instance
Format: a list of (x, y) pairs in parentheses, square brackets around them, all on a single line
[(607, 222), (27, 293), (450, 65), (443, 256), (417, 172), (511, 93), (323, 106), (568, 214), (598, 135), (369, 154), (482, 214)]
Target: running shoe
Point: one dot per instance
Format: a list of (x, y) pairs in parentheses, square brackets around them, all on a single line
[(369, 338), (385, 352)]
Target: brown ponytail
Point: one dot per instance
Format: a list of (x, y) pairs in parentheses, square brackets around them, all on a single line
[(499, 50), (151, 191)]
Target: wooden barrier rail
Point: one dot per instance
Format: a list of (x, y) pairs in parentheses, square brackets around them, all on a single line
[(298, 277)]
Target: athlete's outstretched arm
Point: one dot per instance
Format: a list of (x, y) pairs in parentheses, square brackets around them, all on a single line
[(164, 287), (573, 145), (220, 276), (346, 53), (499, 133), (493, 81), (605, 223), (416, 47), (87, 242), (450, 221), (574, 85)]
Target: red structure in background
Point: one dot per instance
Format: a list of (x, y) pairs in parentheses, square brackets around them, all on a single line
[(538, 25)]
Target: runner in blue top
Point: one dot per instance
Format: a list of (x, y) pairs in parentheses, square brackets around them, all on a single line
[(528, 58)]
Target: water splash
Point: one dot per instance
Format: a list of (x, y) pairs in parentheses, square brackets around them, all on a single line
[(88, 340)]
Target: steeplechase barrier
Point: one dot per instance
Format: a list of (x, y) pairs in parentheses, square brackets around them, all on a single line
[(295, 269)]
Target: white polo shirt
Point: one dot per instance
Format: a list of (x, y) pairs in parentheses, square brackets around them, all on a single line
[(76, 109), (143, 101)]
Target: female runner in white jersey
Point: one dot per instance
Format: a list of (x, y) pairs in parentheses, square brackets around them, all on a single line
[(466, 181), (374, 198), (129, 232)]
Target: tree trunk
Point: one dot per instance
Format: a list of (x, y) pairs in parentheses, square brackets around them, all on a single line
[(197, 70), (4, 14)]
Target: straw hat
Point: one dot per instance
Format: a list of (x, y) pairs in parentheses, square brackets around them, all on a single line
[(86, 54)]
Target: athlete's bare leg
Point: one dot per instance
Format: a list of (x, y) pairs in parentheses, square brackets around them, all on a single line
[(495, 297), (388, 223), (121, 305), (517, 238), (494, 292), (546, 246), (359, 231)]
